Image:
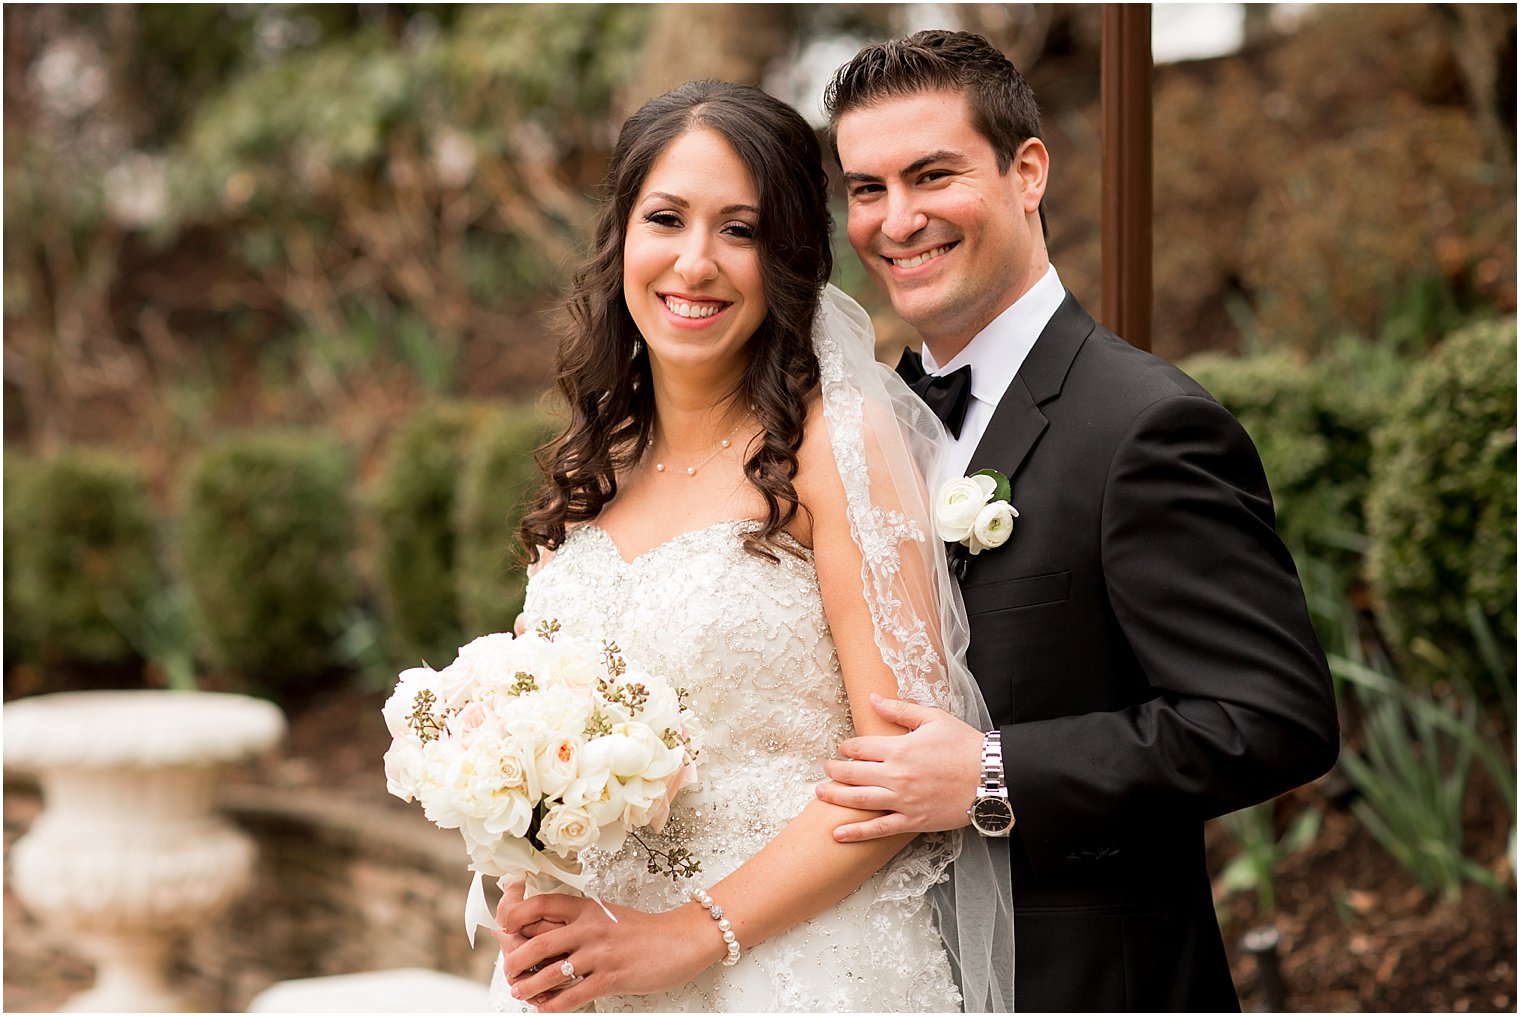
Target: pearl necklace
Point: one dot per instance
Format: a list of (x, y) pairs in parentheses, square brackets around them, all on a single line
[(659, 467)]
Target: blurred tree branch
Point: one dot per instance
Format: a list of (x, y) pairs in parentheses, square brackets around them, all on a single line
[(730, 42)]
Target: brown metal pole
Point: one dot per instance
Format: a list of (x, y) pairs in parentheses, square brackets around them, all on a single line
[(1126, 84)]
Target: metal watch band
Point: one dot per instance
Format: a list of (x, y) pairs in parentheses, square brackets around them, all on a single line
[(992, 765)]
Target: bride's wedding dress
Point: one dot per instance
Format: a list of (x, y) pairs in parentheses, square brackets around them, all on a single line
[(747, 638)]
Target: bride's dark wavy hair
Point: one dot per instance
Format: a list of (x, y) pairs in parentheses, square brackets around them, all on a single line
[(606, 384)]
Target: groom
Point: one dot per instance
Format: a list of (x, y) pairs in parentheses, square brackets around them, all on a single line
[(1142, 639)]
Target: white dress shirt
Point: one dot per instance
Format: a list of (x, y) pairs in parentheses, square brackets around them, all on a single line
[(995, 354)]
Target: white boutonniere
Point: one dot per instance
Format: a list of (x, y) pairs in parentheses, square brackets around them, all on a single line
[(975, 512)]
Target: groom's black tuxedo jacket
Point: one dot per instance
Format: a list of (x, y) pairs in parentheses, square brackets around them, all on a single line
[(1143, 643)]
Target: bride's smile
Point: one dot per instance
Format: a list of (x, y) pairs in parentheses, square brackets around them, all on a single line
[(691, 263), (693, 311)]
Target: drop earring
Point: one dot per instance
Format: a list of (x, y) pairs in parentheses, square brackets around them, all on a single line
[(638, 347)]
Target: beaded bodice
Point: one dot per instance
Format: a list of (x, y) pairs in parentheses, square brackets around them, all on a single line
[(748, 639)]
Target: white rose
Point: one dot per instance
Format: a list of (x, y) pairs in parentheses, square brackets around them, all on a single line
[(959, 502), (994, 524), (567, 830), (514, 774), (502, 763), (556, 762)]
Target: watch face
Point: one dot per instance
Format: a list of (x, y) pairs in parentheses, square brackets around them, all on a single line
[(992, 815)]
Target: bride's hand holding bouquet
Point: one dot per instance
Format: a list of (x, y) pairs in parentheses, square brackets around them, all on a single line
[(537, 748)]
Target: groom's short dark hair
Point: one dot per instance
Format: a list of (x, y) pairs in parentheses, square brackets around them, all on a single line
[(1003, 108)]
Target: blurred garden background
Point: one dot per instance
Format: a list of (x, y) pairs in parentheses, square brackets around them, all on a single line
[(280, 288)]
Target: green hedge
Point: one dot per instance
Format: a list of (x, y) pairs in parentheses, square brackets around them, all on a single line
[(499, 476), (415, 507), (1312, 424), (265, 535), (18, 640), (1442, 509), (81, 558)]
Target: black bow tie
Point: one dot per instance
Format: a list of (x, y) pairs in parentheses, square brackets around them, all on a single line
[(947, 394)]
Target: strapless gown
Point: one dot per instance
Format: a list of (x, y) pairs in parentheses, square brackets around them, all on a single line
[(748, 639)]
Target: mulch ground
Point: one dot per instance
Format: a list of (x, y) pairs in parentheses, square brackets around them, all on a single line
[(1358, 935), (1355, 932)]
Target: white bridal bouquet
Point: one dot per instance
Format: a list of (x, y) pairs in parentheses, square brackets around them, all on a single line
[(536, 748)]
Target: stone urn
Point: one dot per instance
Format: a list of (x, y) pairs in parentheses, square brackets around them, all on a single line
[(129, 852)]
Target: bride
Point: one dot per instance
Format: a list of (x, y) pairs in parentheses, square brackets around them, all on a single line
[(737, 502)]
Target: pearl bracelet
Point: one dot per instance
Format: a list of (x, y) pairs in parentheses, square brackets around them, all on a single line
[(701, 897)]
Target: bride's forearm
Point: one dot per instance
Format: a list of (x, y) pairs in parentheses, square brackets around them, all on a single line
[(800, 873), (804, 870)]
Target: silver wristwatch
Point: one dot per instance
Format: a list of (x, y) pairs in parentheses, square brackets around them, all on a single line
[(991, 814)]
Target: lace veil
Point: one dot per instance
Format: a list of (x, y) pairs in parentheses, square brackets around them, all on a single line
[(885, 441)]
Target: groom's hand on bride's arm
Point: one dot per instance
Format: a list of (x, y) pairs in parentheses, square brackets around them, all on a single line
[(924, 780)]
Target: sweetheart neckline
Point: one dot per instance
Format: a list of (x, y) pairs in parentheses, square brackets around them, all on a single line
[(617, 551), (631, 562)]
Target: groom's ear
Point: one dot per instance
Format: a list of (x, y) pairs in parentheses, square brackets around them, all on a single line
[(1031, 170)]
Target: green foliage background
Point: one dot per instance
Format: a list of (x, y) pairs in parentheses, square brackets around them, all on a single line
[(265, 532), (499, 476), (81, 557), (1312, 424), (1442, 510), (418, 553)]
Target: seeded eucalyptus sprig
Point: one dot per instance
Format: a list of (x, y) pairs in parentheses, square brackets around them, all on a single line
[(612, 659), (423, 721), (599, 724), (633, 697), (675, 863), (672, 738)]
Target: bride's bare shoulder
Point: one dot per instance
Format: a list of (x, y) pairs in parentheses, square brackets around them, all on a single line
[(817, 482)]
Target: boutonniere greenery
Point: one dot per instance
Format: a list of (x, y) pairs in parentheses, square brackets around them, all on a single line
[(975, 512)]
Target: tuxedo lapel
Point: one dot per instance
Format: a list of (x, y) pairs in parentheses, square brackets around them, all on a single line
[(1017, 423)]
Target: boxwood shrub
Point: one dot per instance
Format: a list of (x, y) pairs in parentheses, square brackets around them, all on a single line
[(18, 471), (499, 477), (1312, 425), (414, 506), (265, 532), (81, 558), (1442, 510)]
